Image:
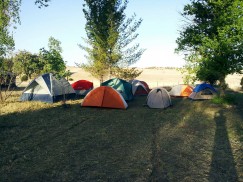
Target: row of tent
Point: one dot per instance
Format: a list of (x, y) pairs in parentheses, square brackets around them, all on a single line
[(112, 93)]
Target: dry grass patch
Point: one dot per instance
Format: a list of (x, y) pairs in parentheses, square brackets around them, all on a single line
[(190, 141)]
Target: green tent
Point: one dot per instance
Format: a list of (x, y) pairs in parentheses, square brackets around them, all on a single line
[(122, 86)]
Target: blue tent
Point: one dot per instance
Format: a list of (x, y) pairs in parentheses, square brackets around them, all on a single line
[(203, 91), (47, 88), (203, 86)]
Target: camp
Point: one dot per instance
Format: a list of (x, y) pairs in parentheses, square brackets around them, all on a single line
[(47, 88), (158, 98), (202, 92), (104, 96), (82, 87), (139, 87), (181, 91), (122, 86)]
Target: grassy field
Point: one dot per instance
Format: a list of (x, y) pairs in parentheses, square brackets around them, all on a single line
[(190, 141)]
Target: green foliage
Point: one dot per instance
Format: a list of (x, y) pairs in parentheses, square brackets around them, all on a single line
[(24, 78), (42, 3), (189, 69), (6, 64), (213, 31), (27, 63), (51, 59), (227, 99), (9, 15), (126, 73), (108, 35), (96, 69)]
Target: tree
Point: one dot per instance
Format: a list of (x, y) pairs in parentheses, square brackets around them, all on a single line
[(9, 14), (51, 59), (27, 63), (108, 35), (6, 64), (42, 3), (214, 36), (126, 73), (9, 17)]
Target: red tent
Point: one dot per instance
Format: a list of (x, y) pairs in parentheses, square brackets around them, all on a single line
[(82, 87)]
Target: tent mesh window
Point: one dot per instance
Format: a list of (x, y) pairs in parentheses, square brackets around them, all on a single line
[(206, 92)]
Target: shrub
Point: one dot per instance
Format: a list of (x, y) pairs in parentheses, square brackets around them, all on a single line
[(24, 78), (228, 99)]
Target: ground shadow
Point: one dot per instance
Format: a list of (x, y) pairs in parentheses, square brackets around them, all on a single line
[(222, 164)]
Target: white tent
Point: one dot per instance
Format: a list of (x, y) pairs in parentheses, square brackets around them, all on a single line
[(158, 98)]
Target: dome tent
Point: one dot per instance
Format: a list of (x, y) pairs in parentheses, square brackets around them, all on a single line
[(139, 87), (82, 87), (203, 91), (104, 96), (122, 86), (47, 88), (181, 91), (158, 98)]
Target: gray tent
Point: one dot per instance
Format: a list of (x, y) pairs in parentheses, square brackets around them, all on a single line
[(158, 98), (47, 88)]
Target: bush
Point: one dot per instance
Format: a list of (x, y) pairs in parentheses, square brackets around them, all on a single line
[(24, 78), (228, 99)]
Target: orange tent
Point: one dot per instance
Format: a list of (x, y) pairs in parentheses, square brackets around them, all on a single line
[(104, 96), (181, 91)]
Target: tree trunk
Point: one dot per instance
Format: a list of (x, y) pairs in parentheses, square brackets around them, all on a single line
[(101, 79), (222, 85), (110, 72)]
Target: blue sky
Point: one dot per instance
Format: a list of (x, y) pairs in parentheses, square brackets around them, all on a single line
[(64, 20)]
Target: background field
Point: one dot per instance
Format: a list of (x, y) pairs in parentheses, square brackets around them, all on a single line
[(155, 77), (190, 141)]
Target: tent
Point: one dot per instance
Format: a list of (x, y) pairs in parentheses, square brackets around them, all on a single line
[(181, 91), (139, 87), (47, 88), (158, 98), (122, 86), (203, 91), (104, 96), (82, 87)]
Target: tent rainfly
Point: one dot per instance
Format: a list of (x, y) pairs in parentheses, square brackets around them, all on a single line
[(122, 86), (82, 87), (203, 91), (47, 88), (104, 96), (139, 87), (181, 91)]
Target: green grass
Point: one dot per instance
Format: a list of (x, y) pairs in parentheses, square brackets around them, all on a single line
[(228, 99), (190, 141)]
